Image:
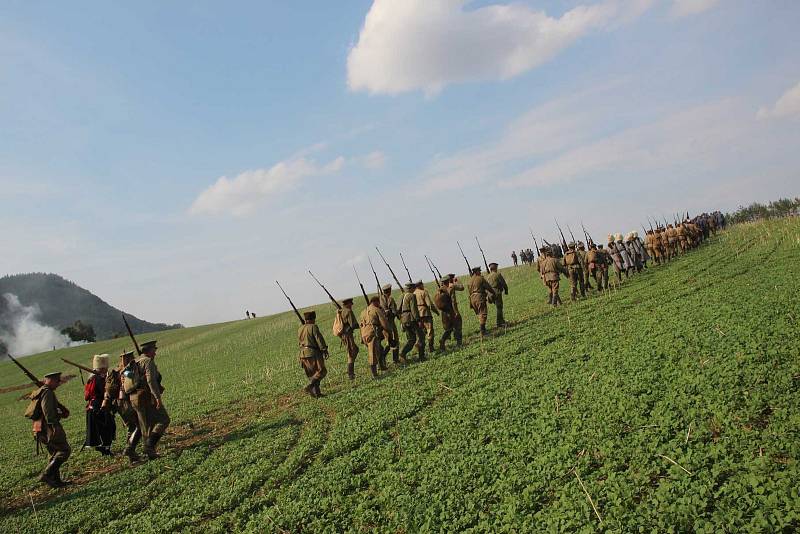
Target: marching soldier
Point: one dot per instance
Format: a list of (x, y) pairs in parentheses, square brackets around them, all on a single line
[(458, 321), (46, 413), (409, 320), (550, 269), (444, 302), (146, 400), (478, 288), (101, 428), (426, 309), (604, 261), (498, 283), (373, 326), (350, 324), (116, 400), (584, 265), (514, 257), (313, 351), (594, 260), (390, 308), (573, 263)]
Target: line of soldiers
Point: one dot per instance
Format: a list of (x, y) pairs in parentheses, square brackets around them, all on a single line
[(627, 255), (133, 390), (526, 257), (377, 324)]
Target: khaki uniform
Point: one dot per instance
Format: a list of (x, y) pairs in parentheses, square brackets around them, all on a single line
[(409, 320), (583, 256), (350, 325), (393, 339), (48, 430), (478, 288), (312, 350), (457, 321), (672, 239), (573, 263), (595, 261), (426, 311), (498, 283), (680, 232), (152, 420), (373, 324), (550, 269), (121, 404)]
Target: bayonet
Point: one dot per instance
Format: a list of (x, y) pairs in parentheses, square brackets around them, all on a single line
[(399, 285), (406, 268), (297, 313), (335, 302), (469, 269), (482, 254), (130, 333), (366, 298)]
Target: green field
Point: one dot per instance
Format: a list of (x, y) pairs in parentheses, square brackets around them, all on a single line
[(673, 401)]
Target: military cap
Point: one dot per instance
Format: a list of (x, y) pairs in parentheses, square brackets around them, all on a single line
[(544, 250), (310, 315), (374, 298), (493, 263), (451, 275), (410, 285), (347, 301), (600, 245), (126, 354), (100, 361), (148, 344), (476, 269), (445, 280), (56, 375), (386, 287), (571, 245), (420, 282)]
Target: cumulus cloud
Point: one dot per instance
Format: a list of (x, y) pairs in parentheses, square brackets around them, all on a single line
[(787, 105), (424, 44), (241, 194), (682, 8)]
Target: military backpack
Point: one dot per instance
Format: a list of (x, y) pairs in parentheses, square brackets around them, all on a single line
[(132, 377)]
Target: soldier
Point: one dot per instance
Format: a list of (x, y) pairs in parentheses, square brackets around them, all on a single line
[(663, 242), (350, 324), (390, 308), (46, 413), (550, 270), (116, 400), (458, 321), (313, 352), (146, 400), (101, 428), (498, 283), (478, 288), (594, 260), (426, 309), (672, 239), (409, 321), (573, 264), (650, 246), (584, 265), (374, 324), (603, 263), (444, 302), (514, 256)]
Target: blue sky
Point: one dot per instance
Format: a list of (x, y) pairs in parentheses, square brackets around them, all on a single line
[(176, 158)]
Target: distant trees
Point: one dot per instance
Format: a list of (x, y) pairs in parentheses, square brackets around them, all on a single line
[(80, 331), (783, 207)]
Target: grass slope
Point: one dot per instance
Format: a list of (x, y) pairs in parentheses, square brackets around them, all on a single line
[(674, 400)]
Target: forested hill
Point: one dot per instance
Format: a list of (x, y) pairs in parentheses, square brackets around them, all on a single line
[(63, 302)]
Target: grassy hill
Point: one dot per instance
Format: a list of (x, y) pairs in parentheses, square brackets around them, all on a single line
[(63, 302), (672, 402)]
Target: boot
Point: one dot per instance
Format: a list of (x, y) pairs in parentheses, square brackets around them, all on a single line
[(317, 391), (51, 476), (396, 355), (310, 390), (422, 357), (130, 448), (150, 445), (374, 370), (483, 330), (441, 346), (458, 340), (550, 299), (557, 300), (351, 372), (382, 361)]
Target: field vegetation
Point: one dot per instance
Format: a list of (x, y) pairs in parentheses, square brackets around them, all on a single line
[(668, 405)]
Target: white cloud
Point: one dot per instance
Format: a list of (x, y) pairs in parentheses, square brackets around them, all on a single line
[(373, 161), (682, 8), (243, 193), (787, 105), (424, 44)]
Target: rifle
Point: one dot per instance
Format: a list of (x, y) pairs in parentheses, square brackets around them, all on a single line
[(571, 234), (335, 303), (435, 279), (63, 409), (130, 333), (563, 239), (589, 240), (396, 281), (482, 254), (438, 274), (297, 313), (406, 268), (366, 298), (469, 269), (82, 368), (536, 243), (377, 282)]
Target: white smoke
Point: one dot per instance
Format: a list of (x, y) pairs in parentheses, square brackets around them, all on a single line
[(22, 333)]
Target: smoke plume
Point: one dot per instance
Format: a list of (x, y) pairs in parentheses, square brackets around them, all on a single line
[(20, 331)]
